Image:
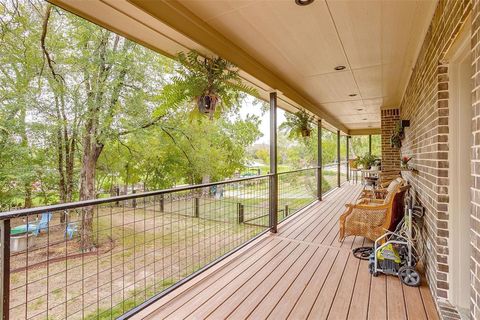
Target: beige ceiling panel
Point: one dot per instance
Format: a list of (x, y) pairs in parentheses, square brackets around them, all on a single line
[(210, 9), (359, 28), (397, 21), (364, 125), (353, 118), (391, 83), (332, 87), (344, 107), (291, 31), (369, 81)]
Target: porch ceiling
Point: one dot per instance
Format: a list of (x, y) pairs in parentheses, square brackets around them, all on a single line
[(293, 49)]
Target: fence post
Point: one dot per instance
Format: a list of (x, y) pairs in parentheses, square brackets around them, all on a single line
[(319, 160), (197, 207), (273, 181), (134, 200), (369, 144), (162, 202), (5, 269), (240, 213), (286, 210)]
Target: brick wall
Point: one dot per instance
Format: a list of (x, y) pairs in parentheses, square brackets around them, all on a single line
[(425, 104), (390, 155), (475, 212)]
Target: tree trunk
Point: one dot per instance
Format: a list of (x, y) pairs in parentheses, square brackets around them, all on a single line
[(87, 192), (28, 195), (206, 190)]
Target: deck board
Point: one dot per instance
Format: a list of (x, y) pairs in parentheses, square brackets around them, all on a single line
[(301, 272)]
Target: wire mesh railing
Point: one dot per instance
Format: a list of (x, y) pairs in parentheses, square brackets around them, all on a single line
[(98, 259), (296, 190)]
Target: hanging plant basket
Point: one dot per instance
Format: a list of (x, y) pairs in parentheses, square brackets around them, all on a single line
[(397, 136), (207, 103), (305, 132), (396, 141)]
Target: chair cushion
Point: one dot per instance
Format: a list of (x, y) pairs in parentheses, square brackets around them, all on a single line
[(392, 188)]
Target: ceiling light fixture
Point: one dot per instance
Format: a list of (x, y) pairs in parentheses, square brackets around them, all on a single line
[(352, 94), (339, 68), (303, 2), (364, 119), (359, 109)]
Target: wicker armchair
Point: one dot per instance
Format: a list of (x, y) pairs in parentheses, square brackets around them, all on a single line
[(370, 218)]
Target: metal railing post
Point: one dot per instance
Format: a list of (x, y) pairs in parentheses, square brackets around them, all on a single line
[(369, 144), (5, 268), (319, 159), (273, 185), (338, 158), (348, 158)]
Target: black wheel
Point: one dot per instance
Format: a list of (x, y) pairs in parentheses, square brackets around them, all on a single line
[(409, 276), (371, 267)]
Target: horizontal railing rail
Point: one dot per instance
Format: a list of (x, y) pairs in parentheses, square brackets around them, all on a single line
[(85, 203)]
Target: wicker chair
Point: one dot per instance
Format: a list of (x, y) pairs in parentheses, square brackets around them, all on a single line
[(370, 218)]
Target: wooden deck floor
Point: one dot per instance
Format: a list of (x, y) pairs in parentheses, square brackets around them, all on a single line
[(301, 272)]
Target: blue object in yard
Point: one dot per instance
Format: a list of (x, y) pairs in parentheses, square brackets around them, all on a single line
[(24, 228), (71, 229), (43, 224)]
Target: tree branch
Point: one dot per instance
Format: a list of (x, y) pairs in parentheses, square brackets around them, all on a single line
[(144, 126), (46, 54)]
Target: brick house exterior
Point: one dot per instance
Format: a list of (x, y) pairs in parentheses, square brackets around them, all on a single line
[(426, 104), (475, 194)]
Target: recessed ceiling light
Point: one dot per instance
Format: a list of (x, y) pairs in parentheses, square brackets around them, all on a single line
[(338, 68), (303, 2), (352, 94)]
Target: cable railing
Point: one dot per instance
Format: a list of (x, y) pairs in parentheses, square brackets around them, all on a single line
[(99, 259)]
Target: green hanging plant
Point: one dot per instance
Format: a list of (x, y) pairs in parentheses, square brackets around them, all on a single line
[(397, 135), (298, 124), (211, 84)]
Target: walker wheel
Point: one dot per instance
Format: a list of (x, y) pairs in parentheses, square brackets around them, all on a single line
[(409, 276), (371, 268)]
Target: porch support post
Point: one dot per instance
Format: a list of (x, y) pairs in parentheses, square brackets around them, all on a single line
[(348, 158), (338, 158), (273, 208), (369, 144), (319, 160), (5, 269)]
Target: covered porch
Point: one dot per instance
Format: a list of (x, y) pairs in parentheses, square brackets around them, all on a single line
[(267, 246)]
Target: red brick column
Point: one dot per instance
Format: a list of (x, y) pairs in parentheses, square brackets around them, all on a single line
[(390, 155)]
